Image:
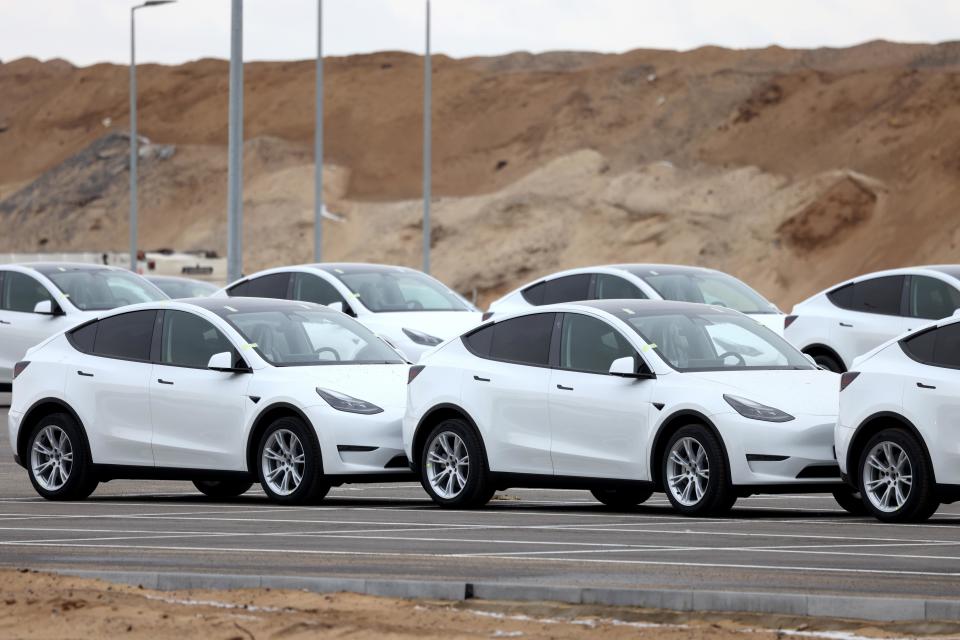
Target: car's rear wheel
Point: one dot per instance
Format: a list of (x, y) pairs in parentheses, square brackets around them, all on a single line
[(897, 478), (695, 473), (851, 501), (453, 468), (57, 459), (222, 489), (828, 362), (289, 464), (622, 498)]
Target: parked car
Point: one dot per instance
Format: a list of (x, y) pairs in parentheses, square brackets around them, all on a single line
[(896, 436), (639, 282), (220, 392), (851, 318), (623, 398), (179, 288), (41, 299), (406, 307)]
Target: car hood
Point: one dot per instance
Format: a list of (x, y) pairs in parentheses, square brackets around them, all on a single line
[(807, 392), (440, 324), (385, 385)]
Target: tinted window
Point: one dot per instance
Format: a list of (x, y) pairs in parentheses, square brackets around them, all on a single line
[(525, 340), (269, 286), (82, 339), (878, 295), (589, 344), (190, 341), (128, 335), (567, 289), (479, 341), (842, 296), (931, 298), (311, 288), (612, 287), (946, 353), (920, 346), (22, 293), (534, 293)]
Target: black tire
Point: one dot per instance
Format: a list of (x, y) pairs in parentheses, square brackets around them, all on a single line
[(851, 501), (828, 362), (81, 480), (222, 489), (921, 500), (622, 499), (313, 486), (718, 496), (477, 489)]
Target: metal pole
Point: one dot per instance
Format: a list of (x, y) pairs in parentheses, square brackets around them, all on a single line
[(133, 143), (318, 145), (235, 144), (427, 156)]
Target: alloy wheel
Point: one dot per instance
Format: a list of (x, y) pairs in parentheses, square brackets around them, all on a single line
[(688, 471), (283, 462), (51, 458), (887, 476), (448, 464)]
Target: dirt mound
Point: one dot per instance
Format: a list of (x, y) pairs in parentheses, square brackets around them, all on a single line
[(825, 221)]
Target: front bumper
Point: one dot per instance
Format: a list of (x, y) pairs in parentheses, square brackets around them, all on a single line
[(14, 418), (357, 444)]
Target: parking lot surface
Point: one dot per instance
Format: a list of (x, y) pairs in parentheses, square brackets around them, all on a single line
[(549, 537)]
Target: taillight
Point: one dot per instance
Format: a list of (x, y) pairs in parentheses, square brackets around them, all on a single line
[(788, 321), (847, 378), (19, 367), (414, 372), (486, 316)]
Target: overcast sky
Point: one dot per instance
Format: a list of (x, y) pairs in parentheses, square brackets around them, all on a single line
[(90, 31)]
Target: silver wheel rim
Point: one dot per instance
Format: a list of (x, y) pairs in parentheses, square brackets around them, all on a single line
[(688, 471), (448, 465), (283, 462), (51, 458), (887, 476)]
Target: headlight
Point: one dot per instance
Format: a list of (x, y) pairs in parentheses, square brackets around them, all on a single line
[(756, 411), (422, 338), (343, 402)]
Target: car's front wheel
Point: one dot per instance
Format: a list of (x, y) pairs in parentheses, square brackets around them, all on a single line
[(622, 498), (289, 463), (57, 459), (222, 489), (695, 473), (897, 478), (453, 468)]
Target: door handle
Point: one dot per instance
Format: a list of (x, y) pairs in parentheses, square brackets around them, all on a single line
[(844, 324), (925, 386), (162, 381), (563, 388), (479, 379), (4, 322), (84, 374)]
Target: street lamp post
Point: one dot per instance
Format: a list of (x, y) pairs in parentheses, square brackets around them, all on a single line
[(318, 145), (235, 147), (133, 128), (427, 155)]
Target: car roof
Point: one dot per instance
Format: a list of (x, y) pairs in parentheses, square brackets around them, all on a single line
[(51, 267), (251, 305), (347, 267), (652, 307)]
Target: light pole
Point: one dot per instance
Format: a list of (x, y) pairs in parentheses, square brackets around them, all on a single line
[(235, 148), (427, 156), (133, 128), (318, 145)]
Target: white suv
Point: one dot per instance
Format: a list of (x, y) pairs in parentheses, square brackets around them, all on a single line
[(896, 437), (849, 319)]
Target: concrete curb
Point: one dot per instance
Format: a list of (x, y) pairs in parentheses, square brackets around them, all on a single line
[(877, 608)]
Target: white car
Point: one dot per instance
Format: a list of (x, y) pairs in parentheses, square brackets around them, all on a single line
[(851, 318), (642, 281), (899, 417), (178, 288), (623, 398), (42, 299), (409, 309), (220, 392)]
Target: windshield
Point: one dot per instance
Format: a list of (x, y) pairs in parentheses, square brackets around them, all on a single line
[(382, 290), (713, 341), (185, 288), (290, 338), (100, 289), (708, 288)]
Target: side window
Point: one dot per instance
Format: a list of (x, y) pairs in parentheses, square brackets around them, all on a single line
[(567, 289), (842, 296), (128, 336), (876, 295), (931, 298), (311, 288), (189, 340), (83, 337), (534, 293), (613, 287), (273, 285), (946, 353), (22, 293), (524, 340), (589, 344), (479, 341)]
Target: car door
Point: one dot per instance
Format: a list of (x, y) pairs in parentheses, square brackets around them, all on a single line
[(310, 287), (598, 421), (505, 389), (108, 385), (872, 315), (198, 414), (20, 327)]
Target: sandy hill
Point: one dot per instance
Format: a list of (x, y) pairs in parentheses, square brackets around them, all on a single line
[(790, 168)]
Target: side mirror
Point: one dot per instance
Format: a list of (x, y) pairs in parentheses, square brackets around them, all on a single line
[(626, 367), (224, 362), (47, 308)]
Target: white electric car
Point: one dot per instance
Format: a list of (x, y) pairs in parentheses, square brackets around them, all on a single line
[(406, 307), (623, 398), (849, 319), (899, 421), (218, 391), (178, 288), (642, 281), (42, 299)]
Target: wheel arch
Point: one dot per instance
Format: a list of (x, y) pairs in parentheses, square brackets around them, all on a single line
[(670, 426), (39, 410), (263, 420), (433, 417), (873, 425), (819, 348)]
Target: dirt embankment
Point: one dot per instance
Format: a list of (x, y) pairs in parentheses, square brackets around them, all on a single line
[(791, 169)]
